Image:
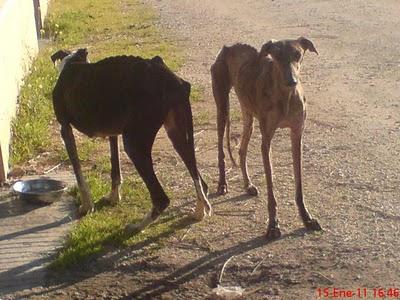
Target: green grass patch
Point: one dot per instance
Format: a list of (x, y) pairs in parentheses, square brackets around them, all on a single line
[(105, 227), (196, 93), (201, 118), (109, 28), (87, 149), (35, 113), (235, 115)]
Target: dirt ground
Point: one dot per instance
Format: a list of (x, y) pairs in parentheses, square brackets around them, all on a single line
[(351, 166)]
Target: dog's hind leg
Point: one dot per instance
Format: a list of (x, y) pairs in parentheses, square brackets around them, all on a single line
[(308, 221), (221, 86), (246, 135), (114, 195), (138, 144), (70, 145), (178, 125)]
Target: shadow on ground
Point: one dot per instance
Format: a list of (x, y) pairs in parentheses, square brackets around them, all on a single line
[(110, 261), (209, 263), (29, 236)]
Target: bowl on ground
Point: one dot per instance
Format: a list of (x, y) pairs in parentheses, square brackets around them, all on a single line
[(42, 190)]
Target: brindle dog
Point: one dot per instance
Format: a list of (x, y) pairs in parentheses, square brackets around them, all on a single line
[(268, 86)]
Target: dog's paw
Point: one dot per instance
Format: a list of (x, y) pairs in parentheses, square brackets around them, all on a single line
[(112, 198), (222, 189), (313, 225), (85, 209), (197, 214), (273, 233), (252, 190)]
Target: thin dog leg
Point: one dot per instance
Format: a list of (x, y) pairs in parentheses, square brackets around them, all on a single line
[(221, 88), (246, 135), (222, 183), (70, 145), (273, 230), (267, 131), (114, 196), (138, 147), (175, 125), (309, 223)]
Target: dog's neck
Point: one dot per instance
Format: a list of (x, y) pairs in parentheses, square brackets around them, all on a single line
[(64, 61), (68, 59)]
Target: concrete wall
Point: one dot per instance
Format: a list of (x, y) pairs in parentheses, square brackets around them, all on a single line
[(19, 44), (44, 4)]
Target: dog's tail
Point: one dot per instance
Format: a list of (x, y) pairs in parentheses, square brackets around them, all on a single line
[(221, 86)]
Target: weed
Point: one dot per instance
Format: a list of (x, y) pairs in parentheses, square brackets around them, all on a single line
[(35, 114), (201, 118), (236, 115), (196, 93)]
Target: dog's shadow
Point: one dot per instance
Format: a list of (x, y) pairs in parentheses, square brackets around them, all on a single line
[(236, 199), (208, 263), (127, 260)]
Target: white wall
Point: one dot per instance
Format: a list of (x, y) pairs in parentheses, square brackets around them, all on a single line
[(44, 4), (18, 46)]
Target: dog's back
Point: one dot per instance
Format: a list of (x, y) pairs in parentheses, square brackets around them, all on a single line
[(100, 98), (237, 59), (132, 97)]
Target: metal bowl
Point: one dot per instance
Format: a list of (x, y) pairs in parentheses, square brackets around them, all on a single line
[(43, 190)]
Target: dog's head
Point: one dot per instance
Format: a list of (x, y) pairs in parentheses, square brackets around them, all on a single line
[(62, 57), (288, 55)]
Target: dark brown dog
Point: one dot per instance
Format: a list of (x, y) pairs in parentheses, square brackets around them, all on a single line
[(268, 87), (134, 97)]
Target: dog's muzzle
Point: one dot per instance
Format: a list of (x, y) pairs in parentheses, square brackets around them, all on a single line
[(292, 82), (291, 78)]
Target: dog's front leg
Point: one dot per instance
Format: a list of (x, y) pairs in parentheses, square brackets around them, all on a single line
[(221, 123), (267, 128), (70, 145), (308, 221)]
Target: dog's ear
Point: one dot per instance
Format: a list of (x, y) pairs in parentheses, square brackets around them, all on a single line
[(59, 55), (306, 44), (158, 60), (83, 51), (81, 55), (267, 48)]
